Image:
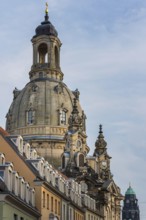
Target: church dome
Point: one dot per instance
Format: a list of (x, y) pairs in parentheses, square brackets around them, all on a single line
[(40, 111), (43, 103)]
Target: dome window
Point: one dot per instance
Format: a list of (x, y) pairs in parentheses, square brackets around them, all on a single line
[(30, 117), (56, 57), (41, 75), (42, 53), (63, 116)]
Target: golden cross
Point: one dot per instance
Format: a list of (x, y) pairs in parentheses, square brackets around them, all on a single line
[(46, 8)]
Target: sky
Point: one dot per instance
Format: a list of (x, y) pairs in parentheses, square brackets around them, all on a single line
[(103, 55)]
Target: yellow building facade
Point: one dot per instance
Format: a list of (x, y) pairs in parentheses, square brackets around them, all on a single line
[(56, 196)]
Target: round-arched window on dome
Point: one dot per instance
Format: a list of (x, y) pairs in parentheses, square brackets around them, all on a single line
[(42, 53)]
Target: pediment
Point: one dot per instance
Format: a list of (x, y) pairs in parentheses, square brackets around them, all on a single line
[(111, 187)]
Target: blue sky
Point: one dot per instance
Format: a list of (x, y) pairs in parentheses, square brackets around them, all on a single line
[(104, 56)]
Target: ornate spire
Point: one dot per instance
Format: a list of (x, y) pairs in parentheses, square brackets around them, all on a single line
[(100, 143), (46, 12), (75, 121)]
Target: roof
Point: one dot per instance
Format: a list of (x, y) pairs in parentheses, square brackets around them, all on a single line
[(130, 191), (3, 132)]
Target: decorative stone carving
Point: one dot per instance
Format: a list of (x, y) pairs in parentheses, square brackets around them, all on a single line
[(59, 88), (100, 143), (75, 120), (16, 92), (76, 94), (34, 88)]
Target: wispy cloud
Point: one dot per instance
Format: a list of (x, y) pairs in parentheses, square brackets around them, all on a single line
[(103, 55)]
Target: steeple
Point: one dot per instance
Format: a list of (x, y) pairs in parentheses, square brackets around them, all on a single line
[(100, 144), (102, 157)]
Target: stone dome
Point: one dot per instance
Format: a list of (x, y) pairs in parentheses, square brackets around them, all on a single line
[(41, 110), (45, 99)]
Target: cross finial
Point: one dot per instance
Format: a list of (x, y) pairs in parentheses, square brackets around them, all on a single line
[(100, 129), (46, 8)]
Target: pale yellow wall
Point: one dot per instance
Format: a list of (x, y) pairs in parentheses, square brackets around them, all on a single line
[(7, 212)]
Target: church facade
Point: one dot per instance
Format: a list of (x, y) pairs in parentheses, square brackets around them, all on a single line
[(49, 117)]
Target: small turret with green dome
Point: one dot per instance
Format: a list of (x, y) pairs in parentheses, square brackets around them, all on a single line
[(130, 191), (130, 208)]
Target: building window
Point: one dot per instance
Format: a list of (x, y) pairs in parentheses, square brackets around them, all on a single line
[(30, 116), (2, 159), (42, 52), (58, 207), (70, 214), (41, 75), (63, 162), (55, 206), (52, 207), (56, 58), (15, 217), (81, 160), (62, 117), (64, 211), (43, 199), (47, 201)]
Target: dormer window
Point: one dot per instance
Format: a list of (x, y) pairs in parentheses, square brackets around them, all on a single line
[(2, 159)]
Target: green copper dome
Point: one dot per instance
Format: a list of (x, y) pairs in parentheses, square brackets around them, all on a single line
[(130, 191)]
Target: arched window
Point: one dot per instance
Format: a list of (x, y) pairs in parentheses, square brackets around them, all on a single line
[(52, 217), (42, 53), (41, 75), (81, 160), (63, 116), (30, 116), (63, 162), (56, 58)]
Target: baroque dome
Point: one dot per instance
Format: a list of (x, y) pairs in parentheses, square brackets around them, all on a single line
[(46, 28), (46, 99), (40, 111)]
